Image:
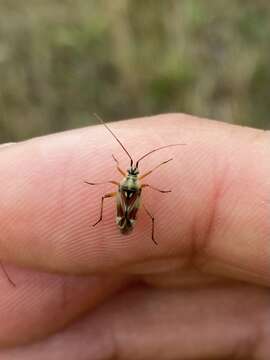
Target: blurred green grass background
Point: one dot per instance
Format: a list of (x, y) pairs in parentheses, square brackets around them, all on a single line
[(62, 60)]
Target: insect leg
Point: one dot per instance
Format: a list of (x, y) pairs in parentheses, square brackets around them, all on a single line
[(154, 188), (156, 167), (101, 183), (153, 224), (118, 167), (101, 208), (6, 274)]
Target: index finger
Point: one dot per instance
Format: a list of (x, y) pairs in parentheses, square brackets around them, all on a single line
[(215, 219)]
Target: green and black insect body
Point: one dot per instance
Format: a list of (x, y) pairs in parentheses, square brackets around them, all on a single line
[(128, 194)]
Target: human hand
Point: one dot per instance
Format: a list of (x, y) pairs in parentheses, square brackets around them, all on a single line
[(94, 293)]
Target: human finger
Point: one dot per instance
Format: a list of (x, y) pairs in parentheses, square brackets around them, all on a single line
[(42, 303), (215, 322), (215, 219)]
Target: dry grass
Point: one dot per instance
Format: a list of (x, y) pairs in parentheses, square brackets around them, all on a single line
[(60, 61)]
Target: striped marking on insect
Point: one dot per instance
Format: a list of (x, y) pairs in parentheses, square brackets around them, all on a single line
[(128, 194)]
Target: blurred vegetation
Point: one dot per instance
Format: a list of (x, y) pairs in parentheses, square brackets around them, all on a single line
[(62, 60)]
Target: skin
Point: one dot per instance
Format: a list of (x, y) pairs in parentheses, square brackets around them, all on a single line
[(87, 292)]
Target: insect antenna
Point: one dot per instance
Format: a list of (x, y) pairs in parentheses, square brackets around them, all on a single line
[(116, 138), (152, 151)]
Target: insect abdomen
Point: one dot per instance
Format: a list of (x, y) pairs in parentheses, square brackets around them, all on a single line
[(127, 203), (125, 224)]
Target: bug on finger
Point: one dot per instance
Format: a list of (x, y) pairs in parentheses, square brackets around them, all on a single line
[(128, 194)]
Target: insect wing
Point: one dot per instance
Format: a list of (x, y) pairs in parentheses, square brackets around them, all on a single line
[(127, 207)]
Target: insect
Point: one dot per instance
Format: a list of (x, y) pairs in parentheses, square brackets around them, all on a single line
[(128, 194)]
